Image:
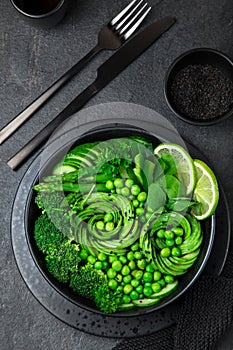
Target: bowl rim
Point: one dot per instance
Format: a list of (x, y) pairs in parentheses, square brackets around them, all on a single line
[(134, 312), (60, 3), (166, 80)]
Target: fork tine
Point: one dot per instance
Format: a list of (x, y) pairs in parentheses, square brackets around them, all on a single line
[(136, 25), (119, 25), (122, 13), (133, 19)]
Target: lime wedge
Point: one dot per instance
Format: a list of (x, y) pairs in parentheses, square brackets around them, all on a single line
[(184, 163), (206, 191)]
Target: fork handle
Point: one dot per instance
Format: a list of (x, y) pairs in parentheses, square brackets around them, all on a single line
[(22, 117)]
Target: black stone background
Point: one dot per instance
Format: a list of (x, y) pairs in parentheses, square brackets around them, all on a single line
[(30, 60)]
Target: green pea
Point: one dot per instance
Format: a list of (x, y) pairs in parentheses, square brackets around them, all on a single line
[(137, 274), (178, 231), (100, 225), (139, 289), (170, 242), (135, 190), (139, 211), (129, 183), (135, 283), (120, 288), (147, 291), (127, 289), (169, 279), (147, 284), (123, 259), (169, 235), (162, 283), (165, 252), (161, 234), (109, 226), (118, 190), (83, 254), (157, 276), (126, 299), (119, 183), (112, 284), (109, 185), (104, 265), (102, 257), (134, 295), (135, 247), (156, 287), (142, 196), (91, 259), (117, 265), (130, 256), (138, 255), (176, 251), (149, 268), (108, 217), (112, 258), (125, 191), (135, 203), (119, 278), (142, 264), (111, 273), (132, 265), (98, 265), (127, 279), (178, 240), (125, 270), (147, 277)]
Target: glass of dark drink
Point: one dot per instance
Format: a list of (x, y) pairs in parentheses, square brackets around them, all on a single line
[(44, 13)]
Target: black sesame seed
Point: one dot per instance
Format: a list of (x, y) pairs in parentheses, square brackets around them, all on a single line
[(201, 92)]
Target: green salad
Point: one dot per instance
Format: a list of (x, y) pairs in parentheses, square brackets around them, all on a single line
[(120, 221)]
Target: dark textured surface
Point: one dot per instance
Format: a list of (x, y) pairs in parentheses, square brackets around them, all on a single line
[(30, 59)]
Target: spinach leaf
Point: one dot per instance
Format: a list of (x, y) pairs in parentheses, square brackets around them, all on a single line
[(156, 197)]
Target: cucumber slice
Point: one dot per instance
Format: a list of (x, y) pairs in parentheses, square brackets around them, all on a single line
[(165, 291), (60, 169), (146, 302), (125, 307)]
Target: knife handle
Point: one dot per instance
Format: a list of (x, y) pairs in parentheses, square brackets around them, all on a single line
[(23, 116), (46, 132)]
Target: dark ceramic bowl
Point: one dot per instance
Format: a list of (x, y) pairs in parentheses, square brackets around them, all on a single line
[(32, 213), (198, 56), (42, 18)]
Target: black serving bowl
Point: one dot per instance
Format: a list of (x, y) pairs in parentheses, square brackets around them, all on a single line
[(32, 213), (198, 56)]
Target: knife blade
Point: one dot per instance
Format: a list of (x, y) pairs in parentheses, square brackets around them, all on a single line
[(105, 73)]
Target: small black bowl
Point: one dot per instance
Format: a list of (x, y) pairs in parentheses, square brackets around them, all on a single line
[(200, 56)]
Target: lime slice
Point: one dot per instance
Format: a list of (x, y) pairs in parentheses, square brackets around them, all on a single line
[(184, 163), (206, 191)]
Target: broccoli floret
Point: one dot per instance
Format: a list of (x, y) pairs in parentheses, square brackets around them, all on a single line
[(63, 261), (85, 281), (47, 236), (93, 285), (56, 207), (106, 299)]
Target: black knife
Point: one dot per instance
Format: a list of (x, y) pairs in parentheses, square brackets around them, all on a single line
[(105, 73)]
